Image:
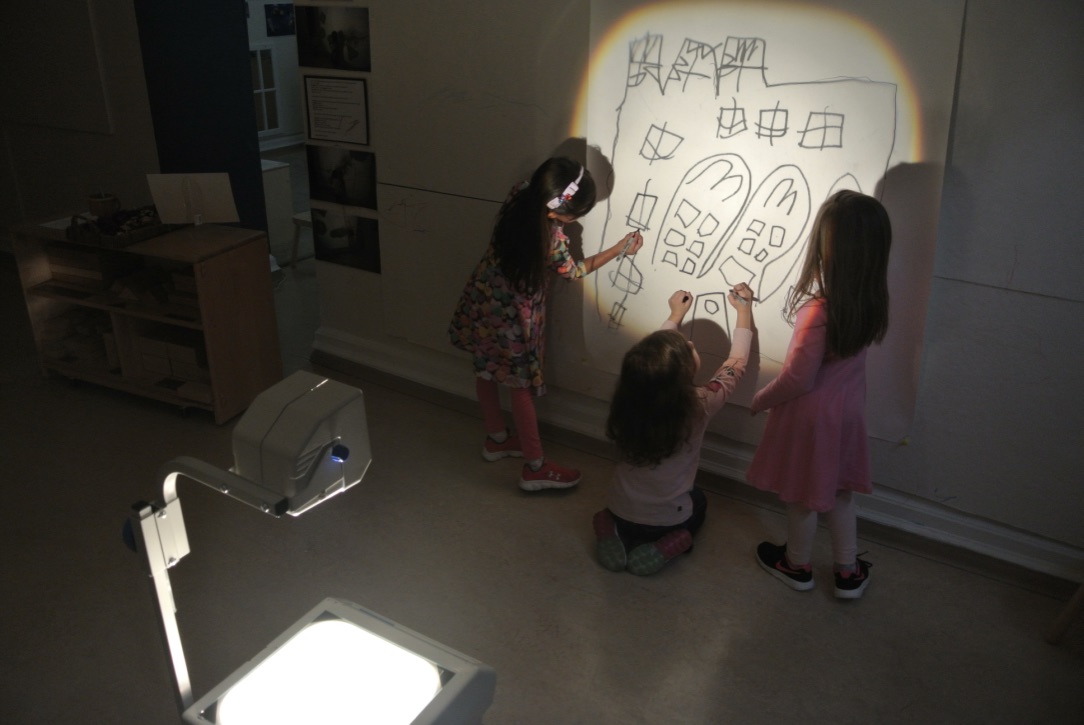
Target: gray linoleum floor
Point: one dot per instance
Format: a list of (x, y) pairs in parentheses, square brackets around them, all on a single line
[(444, 543)]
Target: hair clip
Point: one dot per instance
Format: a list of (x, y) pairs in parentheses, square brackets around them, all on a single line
[(568, 193)]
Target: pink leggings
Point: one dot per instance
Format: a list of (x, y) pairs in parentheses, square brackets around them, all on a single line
[(842, 525), (489, 397)]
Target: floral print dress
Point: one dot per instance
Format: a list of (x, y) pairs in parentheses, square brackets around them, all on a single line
[(504, 329)]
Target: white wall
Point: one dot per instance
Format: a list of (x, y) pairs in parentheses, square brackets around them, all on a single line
[(994, 459)]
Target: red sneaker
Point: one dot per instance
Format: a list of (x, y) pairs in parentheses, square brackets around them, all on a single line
[(494, 451), (550, 475)]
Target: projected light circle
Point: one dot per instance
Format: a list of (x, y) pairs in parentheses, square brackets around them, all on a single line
[(727, 124), (328, 672)]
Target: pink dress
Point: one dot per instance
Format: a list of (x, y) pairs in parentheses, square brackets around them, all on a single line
[(815, 440)]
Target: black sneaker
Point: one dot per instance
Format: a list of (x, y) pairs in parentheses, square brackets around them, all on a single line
[(850, 585), (773, 559)]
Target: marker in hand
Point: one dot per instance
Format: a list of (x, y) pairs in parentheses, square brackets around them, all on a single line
[(628, 243), (741, 299)]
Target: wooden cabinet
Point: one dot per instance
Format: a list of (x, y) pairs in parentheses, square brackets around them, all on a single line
[(187, 317)]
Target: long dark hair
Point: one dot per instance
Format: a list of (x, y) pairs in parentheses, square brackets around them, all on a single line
[(846, 263), (521, 235), (655, 403)]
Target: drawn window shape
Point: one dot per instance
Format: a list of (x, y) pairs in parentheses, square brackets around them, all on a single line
[(711, 306), (689, 267), (708, 226), (643, 207), (627, 277), (697, 249), (674, 239), (617, 313), (761, 255), (773, 123), (778, 236), (823, 130), (660, 144), (731, 121), (670, 258), (734, 272), (687, 213), (747, 245)]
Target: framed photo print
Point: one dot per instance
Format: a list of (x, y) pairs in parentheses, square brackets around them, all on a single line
[(338, 109)]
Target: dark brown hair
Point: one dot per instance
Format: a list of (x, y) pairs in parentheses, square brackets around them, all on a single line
[(655, 403), (846, 264), (521, 236)]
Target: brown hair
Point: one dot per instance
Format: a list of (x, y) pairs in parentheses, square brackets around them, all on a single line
[(846, 264), (521, 235), (655, 403)]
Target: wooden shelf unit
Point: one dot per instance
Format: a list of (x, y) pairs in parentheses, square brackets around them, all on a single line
[(187, 317)]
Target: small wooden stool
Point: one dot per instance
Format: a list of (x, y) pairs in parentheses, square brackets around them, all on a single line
[(301, 220)]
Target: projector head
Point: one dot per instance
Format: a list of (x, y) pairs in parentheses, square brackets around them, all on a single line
[(304, 439)]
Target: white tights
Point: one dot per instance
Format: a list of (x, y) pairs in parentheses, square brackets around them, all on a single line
[(842, 525)]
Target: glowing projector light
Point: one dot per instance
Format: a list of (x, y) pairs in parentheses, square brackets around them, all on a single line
[(344, 664)]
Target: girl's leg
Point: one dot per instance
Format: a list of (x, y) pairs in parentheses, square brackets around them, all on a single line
[(801, 530), (538, 473), (526, 424), (498, 443), (489, 398), (842, 524), (790, 563), (851, 573)]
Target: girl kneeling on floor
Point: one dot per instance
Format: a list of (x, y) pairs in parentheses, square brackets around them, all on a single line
[(657, 421)]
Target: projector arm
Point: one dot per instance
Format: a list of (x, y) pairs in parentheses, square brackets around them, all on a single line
[(161, 535)]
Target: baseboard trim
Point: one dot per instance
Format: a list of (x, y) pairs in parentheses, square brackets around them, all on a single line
[(585, 416)]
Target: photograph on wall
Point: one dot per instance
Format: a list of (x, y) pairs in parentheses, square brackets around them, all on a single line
[(333, 37), (280, 19), (338, 109), (342, 176), (341, 238)]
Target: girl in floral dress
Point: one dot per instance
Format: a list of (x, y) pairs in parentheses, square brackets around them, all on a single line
[(501, 316)]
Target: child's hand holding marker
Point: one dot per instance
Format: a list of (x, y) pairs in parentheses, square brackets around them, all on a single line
[(742, 294), (633, 241), (680, 303)]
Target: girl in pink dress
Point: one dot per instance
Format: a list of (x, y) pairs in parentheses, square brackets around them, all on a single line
[(814, 453), (501, 315)]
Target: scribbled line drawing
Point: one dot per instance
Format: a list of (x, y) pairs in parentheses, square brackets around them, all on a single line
[(643, 208), (737, 214), (645, 60), (731, 120), (628, 279), (660, 144), (702, 224), (695, 62), (823, 130), (772, 123), (704, 209), (740, 56)]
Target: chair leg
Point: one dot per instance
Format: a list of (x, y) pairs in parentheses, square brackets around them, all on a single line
[(1072, 611)]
